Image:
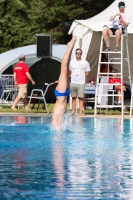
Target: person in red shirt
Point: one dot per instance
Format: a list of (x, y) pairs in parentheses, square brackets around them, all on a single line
[(115, 80), (21, 76)]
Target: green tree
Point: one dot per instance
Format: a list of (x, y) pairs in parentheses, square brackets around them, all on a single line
[(20, 20), (48, 16), (15, 28)]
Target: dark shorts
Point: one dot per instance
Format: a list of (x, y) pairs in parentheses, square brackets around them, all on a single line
[(114, 29)]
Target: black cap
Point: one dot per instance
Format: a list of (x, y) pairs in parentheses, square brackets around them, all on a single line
[(121, 3)]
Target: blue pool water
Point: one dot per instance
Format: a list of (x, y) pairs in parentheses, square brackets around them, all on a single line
[(91, 159)]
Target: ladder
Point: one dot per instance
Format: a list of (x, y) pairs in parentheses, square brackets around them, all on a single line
[(114, 58)]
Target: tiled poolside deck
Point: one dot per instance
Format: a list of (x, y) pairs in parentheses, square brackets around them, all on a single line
[(49, 115)]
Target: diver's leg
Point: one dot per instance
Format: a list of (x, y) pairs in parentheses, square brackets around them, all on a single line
[(63, 79)]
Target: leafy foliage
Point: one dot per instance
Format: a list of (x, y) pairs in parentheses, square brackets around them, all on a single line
[(20, 20)]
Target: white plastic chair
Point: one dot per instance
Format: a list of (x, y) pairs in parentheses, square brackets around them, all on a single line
[(41, 96)]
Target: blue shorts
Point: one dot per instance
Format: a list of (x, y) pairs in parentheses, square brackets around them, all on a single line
[(64, 94)]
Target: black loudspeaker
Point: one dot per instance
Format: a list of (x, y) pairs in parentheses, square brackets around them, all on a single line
[(44, 46)]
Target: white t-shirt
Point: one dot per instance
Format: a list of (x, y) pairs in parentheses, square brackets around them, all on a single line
[(78, 69), (115, 23)]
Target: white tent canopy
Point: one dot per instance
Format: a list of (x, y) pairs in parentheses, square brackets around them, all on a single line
[(89, 34), (11, 57)]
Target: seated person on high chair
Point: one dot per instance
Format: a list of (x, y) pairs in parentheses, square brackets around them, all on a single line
[(115, 80), (119, 20)]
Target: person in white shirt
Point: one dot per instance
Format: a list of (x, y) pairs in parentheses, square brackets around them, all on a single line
[(120, 20), (79, 69)]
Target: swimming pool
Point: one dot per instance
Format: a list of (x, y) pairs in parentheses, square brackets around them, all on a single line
[(91, 159)]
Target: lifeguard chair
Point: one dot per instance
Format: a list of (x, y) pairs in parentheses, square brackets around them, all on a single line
[(117, 59)]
